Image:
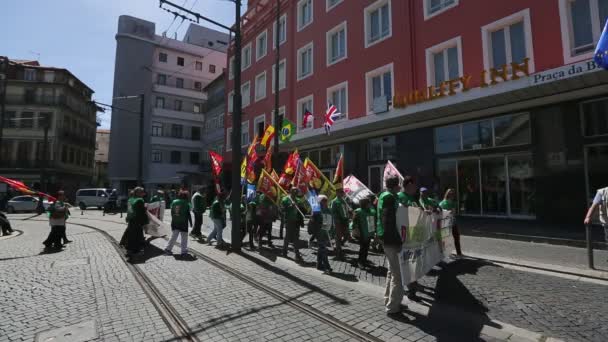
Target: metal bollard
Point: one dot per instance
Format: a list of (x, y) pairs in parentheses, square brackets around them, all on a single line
[(589, 246)]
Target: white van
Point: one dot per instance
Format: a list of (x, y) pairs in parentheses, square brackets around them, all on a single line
[(92, 198)]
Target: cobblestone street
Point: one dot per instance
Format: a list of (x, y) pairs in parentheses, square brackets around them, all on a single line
[(89, 283)]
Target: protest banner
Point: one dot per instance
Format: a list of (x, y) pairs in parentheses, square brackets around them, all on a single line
[(318, 181), (355, 189), (427, 240), (156, 213)]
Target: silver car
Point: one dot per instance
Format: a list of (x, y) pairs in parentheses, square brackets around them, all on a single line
[(25, 203), (92, 198)]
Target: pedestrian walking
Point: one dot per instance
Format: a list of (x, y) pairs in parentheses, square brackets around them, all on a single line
[(320, 224), (133, 238), (449, 204), (339, 211), (600, 201), (292, 222), (180, 221), (389, 233), (58, 214), (364, 220), (218, 217), (5, 224), (198, 208), (251, 222)]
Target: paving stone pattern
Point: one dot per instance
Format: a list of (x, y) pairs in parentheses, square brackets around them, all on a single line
[(38, 295)]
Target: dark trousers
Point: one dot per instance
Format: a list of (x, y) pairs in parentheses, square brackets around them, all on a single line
[(456, 235), (292, 235), (341, 234), (198, 222), (265, 228), (322, 260), (252, 231), (55, 236), (363, 249), (6, 226)]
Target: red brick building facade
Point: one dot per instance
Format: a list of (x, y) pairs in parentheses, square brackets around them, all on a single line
[(499, 100)]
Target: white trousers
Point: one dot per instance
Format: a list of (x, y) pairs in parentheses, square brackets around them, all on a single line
[(183, 240)]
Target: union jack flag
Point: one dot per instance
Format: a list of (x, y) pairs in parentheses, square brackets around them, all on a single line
[(331, 114)]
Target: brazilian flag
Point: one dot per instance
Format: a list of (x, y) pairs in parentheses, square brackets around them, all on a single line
[(287, 130)]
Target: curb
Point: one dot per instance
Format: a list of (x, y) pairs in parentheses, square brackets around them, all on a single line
[(534, 238), (16, 233)]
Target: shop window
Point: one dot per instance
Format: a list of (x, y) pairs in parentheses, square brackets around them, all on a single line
[(512, 130), (447, 139), (477, 135), (595, 117), (384, 148)]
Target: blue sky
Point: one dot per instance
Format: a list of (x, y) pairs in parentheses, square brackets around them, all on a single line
[(79, 34)]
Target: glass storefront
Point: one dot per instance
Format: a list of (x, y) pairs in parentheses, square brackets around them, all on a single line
[(491, 186)]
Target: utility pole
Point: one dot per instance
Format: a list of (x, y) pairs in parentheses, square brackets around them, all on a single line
[(3, 85), (236, 115), (140, 163), (277, 119)]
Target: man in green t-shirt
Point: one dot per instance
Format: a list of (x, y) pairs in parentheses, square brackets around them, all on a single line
[(364, 220), (218, 217), (408, 196), (339, 210), (292, 222), (426, 202), (449, 204), (180, 219), (133, 238), (198, 208)]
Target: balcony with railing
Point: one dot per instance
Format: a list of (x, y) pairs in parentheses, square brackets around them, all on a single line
[(178, 114), (82, 108), (180, 91)]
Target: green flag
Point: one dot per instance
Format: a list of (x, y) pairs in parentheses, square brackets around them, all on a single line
[(287, 130)]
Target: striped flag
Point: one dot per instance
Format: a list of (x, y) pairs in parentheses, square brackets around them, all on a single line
[(307, 118), (268, 136)]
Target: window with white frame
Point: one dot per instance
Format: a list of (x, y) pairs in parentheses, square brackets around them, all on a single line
[(338, 96), (260, 86), (245, 133), (377, 22), (336, 44), (305, 104), (282, 75), (444, 62), (231, 101), (282, 31), (246, 57), (305, 14), (259, 125), (246, 94), (582, 24), (330, 4), (229, 139), (305, 61), (261, 45), (435, 7), (379, 84), (157, 129), (508, 40)]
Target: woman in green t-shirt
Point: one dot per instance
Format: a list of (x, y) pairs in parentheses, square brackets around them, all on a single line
[(449, 204)]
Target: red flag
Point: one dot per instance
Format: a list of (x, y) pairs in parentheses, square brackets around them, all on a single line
[(19, 186), (289, 169), (268, 161), (307, 118), (269, 187), (216, 163), (300, 180)]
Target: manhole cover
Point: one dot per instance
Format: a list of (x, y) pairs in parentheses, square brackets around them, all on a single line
[(71, 262), (83, 331)]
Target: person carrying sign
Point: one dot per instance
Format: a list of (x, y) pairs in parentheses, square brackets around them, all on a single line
[(364, 221), (339, 210), (449, 204), (389, 233), (180, 220)]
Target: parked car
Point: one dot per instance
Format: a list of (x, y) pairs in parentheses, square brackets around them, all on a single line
[(24, 203), (92, 198)]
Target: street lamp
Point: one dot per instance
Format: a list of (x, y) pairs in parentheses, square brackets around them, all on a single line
[(236, 114)]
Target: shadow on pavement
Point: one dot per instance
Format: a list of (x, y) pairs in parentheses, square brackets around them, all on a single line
[(446, 319), (293, 278), (150, 251)]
